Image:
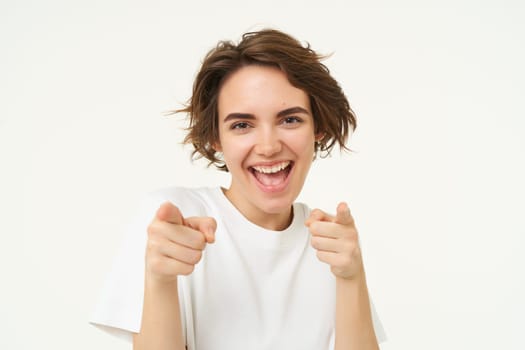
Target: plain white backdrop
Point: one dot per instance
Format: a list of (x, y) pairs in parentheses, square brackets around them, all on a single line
[(435, 183)]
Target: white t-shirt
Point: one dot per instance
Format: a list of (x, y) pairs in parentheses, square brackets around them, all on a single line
[(253, 288)]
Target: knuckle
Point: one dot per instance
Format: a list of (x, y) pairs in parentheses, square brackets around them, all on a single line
[(192, 257), (319, 255), (154, 229), (352, 233), (212, 224), (152, 245), (196, 257), (314, 227), (200, 240), (187, 269), (151, 229)]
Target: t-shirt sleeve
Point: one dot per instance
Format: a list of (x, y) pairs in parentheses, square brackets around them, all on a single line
[(378, 326), (119, 307)]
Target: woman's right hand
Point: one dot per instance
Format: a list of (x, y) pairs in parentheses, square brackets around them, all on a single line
[(175, 243)]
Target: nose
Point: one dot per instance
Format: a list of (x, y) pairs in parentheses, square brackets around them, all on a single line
[(268, 143)]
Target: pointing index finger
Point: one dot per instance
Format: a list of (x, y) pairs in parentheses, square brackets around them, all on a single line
[(318, 215), (170, 213), (343, 214)]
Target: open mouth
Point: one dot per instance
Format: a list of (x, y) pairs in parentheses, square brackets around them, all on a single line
[(272, 177)]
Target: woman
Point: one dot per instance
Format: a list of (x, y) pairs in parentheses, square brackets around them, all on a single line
[(246, 267)]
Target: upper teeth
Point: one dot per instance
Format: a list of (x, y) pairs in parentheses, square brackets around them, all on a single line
[(271, 169)]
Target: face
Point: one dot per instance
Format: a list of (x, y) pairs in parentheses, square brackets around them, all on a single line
[(266, 135)]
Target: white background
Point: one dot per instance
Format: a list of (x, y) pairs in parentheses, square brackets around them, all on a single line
[(435, 184)]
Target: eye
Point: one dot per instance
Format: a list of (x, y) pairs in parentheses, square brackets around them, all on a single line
[(292, 120), (239, 126)]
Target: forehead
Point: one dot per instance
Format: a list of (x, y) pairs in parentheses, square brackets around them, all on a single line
[(259, 89)]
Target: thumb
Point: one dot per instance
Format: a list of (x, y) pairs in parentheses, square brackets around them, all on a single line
[(206, 225), (344, 216), (170, 213)]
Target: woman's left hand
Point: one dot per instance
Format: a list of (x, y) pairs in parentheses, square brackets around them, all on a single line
[(336, 241)]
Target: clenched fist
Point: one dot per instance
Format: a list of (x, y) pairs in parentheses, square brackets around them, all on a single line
[(175, 243)]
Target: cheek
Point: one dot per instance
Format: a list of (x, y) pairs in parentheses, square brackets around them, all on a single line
[(304, 144), (235, 150)]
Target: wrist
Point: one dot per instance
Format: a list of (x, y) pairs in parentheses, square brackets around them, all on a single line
[(159, 284), (357, 277)]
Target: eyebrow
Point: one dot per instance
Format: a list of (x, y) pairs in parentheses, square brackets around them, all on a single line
[(248, 116)]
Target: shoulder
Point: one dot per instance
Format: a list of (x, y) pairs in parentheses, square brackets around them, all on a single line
[(190, 201), (302, 210)]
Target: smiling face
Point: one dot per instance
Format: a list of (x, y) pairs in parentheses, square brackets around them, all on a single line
[(266, 135)]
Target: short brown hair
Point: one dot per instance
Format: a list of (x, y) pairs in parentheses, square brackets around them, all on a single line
[(331, 111)]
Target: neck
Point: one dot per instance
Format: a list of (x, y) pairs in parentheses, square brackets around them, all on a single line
[(274, 222), (270, 221)]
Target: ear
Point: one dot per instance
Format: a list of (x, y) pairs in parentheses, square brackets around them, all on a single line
[(217, 146), (320, 136)]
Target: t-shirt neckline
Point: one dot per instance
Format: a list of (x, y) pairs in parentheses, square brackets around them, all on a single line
[(258, 235)]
